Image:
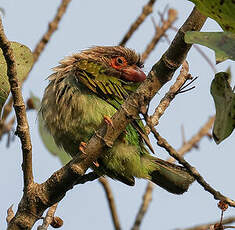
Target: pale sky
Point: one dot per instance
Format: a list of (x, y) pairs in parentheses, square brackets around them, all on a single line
[(104, 22)]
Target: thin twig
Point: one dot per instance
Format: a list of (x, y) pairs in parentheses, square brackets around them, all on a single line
[(188, 145), (205, 57), (163, 143), (19, 106), (228, 220), (170, 95), (111, 202), (147, 9), (52, 27), (147, 198), (159, 32), (47, 220), (185, 73)]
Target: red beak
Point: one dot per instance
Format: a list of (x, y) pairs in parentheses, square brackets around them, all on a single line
[(133, 73)]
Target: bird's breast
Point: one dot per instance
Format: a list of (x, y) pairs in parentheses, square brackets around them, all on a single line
[(72, 113)]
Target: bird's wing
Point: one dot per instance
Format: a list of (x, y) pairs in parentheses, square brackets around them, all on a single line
[(114, 91)]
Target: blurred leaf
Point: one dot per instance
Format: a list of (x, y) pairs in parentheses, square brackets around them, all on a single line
[(224, 99), (223, 43), (220, 10), (46, 137), (24, 61), (2, 11)]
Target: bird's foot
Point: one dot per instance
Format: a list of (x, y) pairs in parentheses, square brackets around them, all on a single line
[(96, 164), (108, 120), (82, 147)]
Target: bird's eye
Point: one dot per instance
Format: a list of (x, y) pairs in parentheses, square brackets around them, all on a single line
[(118, 62)]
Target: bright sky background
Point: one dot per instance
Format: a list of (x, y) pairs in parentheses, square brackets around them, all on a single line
[(104, 22)]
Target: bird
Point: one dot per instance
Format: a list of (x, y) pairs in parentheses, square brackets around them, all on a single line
[(86, 89)]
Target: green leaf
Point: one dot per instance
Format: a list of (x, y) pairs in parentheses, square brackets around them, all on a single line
[(221, 11), (224, 99), (46, 137), (24, 62), (223, 43)]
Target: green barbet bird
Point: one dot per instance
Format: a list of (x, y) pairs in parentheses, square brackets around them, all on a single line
[(89, 87)]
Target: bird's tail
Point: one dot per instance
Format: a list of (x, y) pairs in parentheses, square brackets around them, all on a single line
[(173, 178)]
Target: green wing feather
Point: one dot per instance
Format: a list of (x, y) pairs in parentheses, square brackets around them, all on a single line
[(111, 89)]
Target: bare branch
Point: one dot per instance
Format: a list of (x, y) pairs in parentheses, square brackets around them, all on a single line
[(147, 9), (19, 106), (160, 31), (170, 95), (163, 105), (205, 57), (111, 202), (228, 220), (188, 145), (147, 198), (52, 27), (163, 143)]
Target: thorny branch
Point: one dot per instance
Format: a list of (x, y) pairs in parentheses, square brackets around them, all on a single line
[(147, 9), (42, 196), (111, 202)]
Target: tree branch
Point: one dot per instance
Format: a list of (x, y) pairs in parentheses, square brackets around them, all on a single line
[(22, 124), (228, 220), (161, 108), (147, 9), (160, 32), (111, 202), (170, 95), (163, 143), (147, 198), (52, 27), (195, 139), (43, 195)]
